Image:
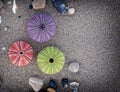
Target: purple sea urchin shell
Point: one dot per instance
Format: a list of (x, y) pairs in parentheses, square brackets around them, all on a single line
[(41, 27)]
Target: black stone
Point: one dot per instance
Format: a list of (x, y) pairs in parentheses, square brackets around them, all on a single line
[(30, 6), (19, 16)]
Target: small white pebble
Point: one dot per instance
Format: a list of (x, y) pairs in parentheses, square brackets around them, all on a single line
[(74, 84), (6, 28), (15, 7), (4, 48), (9, 2), (71, 11), (0, 19), (74, 67)]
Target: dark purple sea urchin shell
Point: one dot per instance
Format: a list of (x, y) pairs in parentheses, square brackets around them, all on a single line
[(41, 27)]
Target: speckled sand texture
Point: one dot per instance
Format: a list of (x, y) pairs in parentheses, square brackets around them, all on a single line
[(90, 37)]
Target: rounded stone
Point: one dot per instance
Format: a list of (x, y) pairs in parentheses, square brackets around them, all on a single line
[(6, 28), (50, 90), (74, 67), (9, 2), (71, 11), (36, 83), (39, 4)]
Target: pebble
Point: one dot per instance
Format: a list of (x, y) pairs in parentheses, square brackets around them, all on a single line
[(15, 7), (4, 48), (6, 28), (74, 67), (50, 90), (74, 86), (71, 11), (35, 83), (30, 6), (39, 4), (9, 2), (19, 17)]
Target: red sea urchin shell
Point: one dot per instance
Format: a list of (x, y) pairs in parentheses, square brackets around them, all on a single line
[(20, 53)]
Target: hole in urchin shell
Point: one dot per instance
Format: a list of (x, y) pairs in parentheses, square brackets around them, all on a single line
[(21, 52), (51, 60), (42, 26)]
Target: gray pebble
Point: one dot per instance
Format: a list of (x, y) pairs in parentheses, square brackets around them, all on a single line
[(74, 67)]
